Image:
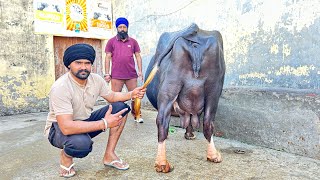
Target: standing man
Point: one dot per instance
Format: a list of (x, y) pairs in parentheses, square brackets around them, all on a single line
[(120, 50), (71, 124)]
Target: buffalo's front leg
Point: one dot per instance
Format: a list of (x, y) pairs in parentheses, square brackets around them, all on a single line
[(189, 135)]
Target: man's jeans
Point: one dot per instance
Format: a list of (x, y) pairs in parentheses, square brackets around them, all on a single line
[(80, 145)]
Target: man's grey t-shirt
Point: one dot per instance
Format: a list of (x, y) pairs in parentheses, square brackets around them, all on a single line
[(69, 97)]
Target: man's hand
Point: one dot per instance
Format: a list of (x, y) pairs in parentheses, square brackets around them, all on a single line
[(114, 119), (140, 75), (138, 92), (107, 77)]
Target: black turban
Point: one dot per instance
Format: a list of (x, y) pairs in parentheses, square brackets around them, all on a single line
[(78, 51)]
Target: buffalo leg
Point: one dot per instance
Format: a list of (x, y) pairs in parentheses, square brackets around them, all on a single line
[(210, 110), (163, 120), (189, 135), (184, 121), (213, 154), (161, 164)]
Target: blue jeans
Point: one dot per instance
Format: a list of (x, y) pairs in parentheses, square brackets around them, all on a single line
[(80, 145)]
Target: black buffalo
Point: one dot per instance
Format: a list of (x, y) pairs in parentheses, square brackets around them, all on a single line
[(188, 82)]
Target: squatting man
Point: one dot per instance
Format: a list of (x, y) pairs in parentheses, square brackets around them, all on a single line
[(71, 124)]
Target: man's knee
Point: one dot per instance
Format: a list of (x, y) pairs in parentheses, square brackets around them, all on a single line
[(78, 146), (118, 106)]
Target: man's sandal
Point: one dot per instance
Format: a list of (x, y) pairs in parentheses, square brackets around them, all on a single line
[(68, 172), (114, 164)]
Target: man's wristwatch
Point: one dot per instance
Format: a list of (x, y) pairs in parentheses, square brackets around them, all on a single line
[(106, 75)]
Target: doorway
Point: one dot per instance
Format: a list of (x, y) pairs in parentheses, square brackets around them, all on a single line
[(60, 44)]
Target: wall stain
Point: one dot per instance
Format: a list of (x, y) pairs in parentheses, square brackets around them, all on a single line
[(299, 71), (16, 93)]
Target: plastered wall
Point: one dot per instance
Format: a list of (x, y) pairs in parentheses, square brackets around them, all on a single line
[(26, 60), (268, 43), (271, 47)]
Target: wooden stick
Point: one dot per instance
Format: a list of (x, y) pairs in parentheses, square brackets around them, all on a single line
[(137, 101)]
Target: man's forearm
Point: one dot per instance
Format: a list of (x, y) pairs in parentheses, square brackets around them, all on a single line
[(122, 96), (69, 127), (139, 62), (118, 96), (140, 65), (107, 64)]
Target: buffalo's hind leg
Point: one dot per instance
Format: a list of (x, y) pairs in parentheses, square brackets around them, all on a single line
[(213, 154), (161, 164), (163, 120)]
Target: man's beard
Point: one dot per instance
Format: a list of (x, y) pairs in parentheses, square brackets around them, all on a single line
[(123, 34), (82, 76)]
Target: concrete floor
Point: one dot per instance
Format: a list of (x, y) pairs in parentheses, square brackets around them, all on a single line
[(26, 154)]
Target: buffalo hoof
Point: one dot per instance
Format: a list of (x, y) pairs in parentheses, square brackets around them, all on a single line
[(189, 136), (163, 168), (216, 159)]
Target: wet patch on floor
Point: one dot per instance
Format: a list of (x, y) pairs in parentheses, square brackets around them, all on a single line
[(237, 150), (30, 120)]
